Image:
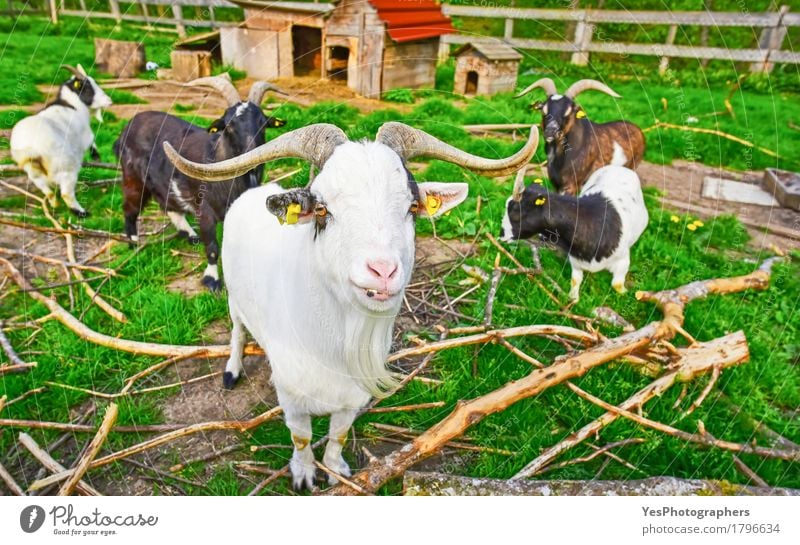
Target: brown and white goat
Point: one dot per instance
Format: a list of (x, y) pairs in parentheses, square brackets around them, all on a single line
[(576, 146)]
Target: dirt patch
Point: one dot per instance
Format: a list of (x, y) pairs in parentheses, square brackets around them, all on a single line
[(682, 182)]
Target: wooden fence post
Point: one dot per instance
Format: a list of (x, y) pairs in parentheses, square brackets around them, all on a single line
[(771, 39), (508, 32), (664, 64), (53, 12), (114, 5), (583, 37), (177, 13), (444, 52)]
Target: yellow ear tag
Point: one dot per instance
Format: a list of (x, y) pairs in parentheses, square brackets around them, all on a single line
[(292, 211), (213, 129), (77, 84), (581, 114), (432, 204), (538, 181), (540, 201)]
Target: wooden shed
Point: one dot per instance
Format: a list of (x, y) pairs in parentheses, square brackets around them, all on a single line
[(372, 45), (486, 68)]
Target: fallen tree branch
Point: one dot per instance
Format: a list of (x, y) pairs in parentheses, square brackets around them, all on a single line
[(50, 464), (234, 425), (12, 485), (82, 466), (694, 361), (53, 261), (17, 364), (469, 413), (440, 484)]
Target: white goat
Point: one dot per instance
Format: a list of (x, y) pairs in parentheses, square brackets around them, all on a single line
[(321, 296), (50, 145)]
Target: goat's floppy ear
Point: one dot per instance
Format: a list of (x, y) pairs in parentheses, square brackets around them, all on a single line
[(436, 198), (295, 206)]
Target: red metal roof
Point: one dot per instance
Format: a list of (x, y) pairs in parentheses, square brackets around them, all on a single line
[(408, 20)]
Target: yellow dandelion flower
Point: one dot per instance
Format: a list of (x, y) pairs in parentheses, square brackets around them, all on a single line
[(698, 223), (692, 227), (674, 219)]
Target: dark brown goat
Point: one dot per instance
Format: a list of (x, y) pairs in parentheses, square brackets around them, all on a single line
[(146, 171), (576, 146)]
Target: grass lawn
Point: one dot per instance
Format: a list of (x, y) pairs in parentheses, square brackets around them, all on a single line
[(668, 255)]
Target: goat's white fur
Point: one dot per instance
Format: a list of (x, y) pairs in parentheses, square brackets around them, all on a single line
[(303, 298), (50, 145), (623, 189)]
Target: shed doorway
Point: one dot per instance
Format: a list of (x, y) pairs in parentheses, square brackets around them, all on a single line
[(306, 50), (337, 69), (471, 87)]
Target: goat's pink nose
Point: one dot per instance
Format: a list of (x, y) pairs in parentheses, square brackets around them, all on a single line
[(382, 269)]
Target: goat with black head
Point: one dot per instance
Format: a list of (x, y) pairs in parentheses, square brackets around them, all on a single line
[(576, 146), (146, 171), (50, 145)]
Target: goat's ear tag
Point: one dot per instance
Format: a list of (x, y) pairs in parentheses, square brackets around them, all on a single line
[(432, 204), (213, 129), (538, 181), (280, 122), (292, 213), (77, 84), (540, 201), (581, 114)]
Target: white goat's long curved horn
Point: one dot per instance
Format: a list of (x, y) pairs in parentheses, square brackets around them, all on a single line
[(586, 84), (314, 143), (543, 83), (519, 185), (409, 142), (221, 83), (74, 71), (259, 89)]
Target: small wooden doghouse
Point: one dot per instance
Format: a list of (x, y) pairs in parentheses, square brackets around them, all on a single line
[(372, 45), (486, 68)]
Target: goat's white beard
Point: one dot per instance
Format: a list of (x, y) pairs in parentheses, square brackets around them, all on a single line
[(367, 342)]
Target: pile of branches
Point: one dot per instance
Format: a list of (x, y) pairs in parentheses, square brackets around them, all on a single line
[(649, 346)]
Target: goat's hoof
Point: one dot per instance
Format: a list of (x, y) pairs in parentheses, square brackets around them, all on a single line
[(303, 475), (80, 213), (213, 284), (191, 239), (228, 380)]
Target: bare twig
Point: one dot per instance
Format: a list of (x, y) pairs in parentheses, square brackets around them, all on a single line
[(59, 262), (10, 482), (109, 419), (52, 465), (405, 408)]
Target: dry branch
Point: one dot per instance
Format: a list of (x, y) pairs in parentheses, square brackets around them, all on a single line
[(50, 464), (235, 425), (469, 413), (17, 364), (82, 466), (10, 482), (439, 484), (694, 361), (53, 261)]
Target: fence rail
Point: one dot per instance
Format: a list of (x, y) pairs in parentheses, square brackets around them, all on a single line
[(118, 12), (774, 27)]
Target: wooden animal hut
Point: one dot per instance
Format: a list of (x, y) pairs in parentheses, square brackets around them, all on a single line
[(486, 68), (372, 45)]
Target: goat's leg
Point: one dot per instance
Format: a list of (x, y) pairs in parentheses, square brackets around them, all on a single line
[(619, 271), (135, 196), (341, 422), (67, 181), (575, 284), (39, 179), (302, 462), (184, 229), (208, 234), (233, 369)]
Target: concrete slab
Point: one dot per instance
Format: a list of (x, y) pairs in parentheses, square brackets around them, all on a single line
[(784, 185), (732, 191)]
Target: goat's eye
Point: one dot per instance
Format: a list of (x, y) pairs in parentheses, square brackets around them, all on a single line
[(414, 208), (320, 211)]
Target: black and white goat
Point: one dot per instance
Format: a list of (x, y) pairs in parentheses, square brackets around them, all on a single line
[(320, 288), (596, 229), (50, 145), (146, 171), (576, 146)]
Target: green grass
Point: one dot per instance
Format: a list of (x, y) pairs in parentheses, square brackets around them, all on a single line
[(668, 255)]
